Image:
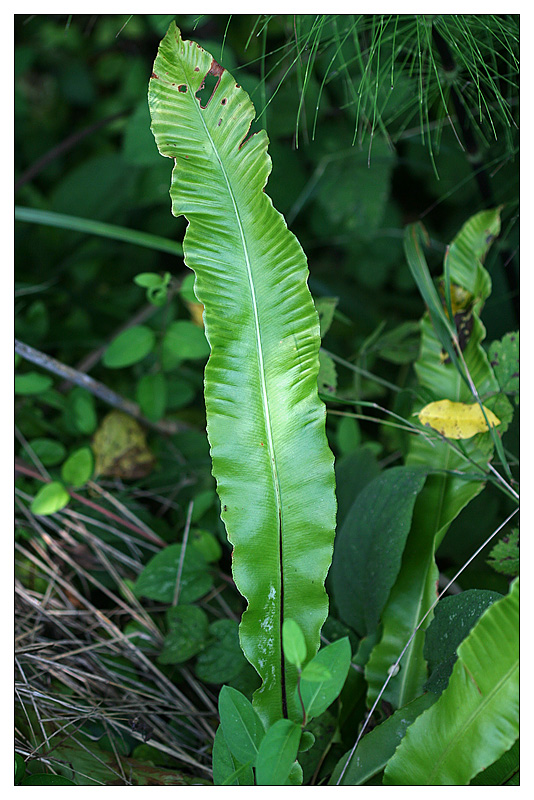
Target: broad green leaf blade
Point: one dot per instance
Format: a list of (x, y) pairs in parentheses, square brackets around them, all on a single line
[(369, 546), (243, 729), (277, 753), (476, 719), (376, 748), (319, 692), (265, 423)]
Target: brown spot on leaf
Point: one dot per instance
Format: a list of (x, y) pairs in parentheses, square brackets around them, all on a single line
[(155, 76), (215, 69)]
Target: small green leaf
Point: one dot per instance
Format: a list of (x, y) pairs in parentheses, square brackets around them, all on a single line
[(79, 467), (293, 643), (318, 695), (152, 395), (158, 579), (129, 347), (222, 660), (307, 741), (296, 775), (48, 451), (183, 340), (149, 280), (188, 631), (206, 543), (277, 753), (179, 392), (80, 411), (32, 383), (50, 498), (242, 727)]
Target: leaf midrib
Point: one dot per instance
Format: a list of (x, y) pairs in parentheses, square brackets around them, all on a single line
[(472, 718), (263, 383)]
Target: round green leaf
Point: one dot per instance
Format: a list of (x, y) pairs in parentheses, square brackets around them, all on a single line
[(307, 740), (188, 631), (130, 346), (48, 451), (294, 643), (80, 411), (183, 340), (207, 544), (50, 498), (158, 579), (149, 280), (78, 468), (32, 383), (152, 395), (222, 660)]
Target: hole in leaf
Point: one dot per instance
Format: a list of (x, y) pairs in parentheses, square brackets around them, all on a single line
[(182, 88), (207, 88)]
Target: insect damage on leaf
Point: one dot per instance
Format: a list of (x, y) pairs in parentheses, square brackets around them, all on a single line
[(462, 315), (457, 420)]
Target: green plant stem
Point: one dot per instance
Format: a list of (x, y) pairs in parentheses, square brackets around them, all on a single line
[(100, 390)]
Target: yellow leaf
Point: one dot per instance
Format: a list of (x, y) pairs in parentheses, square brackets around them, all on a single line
[(457, 420), (120, 448)]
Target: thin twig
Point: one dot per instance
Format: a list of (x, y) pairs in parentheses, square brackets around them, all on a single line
[(100, 390)]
